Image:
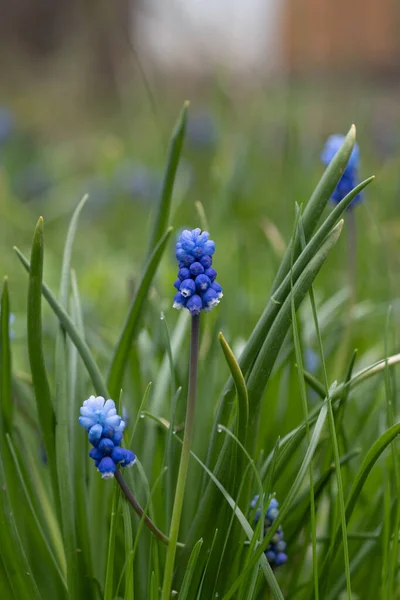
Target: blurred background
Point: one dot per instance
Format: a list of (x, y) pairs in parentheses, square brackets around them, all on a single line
[(90, 91)]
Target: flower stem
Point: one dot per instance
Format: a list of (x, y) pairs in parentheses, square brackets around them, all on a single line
[(184, 463), (138, 509)]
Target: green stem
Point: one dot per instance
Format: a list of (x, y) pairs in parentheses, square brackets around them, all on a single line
[(184, 463), (138, 509)]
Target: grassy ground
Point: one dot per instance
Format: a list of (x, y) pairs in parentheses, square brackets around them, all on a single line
[(247, 163)]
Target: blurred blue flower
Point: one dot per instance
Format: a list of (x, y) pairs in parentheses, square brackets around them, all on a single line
[(275, 551), (138, 181), (201, 130), (105, 428), (32, 183), (311, 360), (7, 124), (196, 287), (349, 178)]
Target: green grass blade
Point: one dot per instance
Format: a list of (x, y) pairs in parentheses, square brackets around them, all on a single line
[(290, 497), (279, 295), (128, 539), (122, 350), (209, 555), (40, 380), (109, 577), (72, 331), (332, 429), (187, 580), (64, 470), (67, 255), (241, 390), (369, 460), (266, 358), (303, 395), (60, 568), (6, 403), (12, 552), (265, 566), (318, 201), (174, 153)]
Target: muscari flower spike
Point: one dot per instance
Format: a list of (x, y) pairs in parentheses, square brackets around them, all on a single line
[(196, 285), (349, 178), (275, 551), (105, 429)]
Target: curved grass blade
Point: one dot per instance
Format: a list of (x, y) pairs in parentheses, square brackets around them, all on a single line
[(318, 201), (12, 552), (185, 588), (241, 390), (269, 351), (260, 374), (72, 331), (290, 497), (128, 539), (278, 296), (6, 404), (59, 568), (63, 461), (369, 460), (174, 153), (63, 433), (109, 578), (40, 381), (122, 350), (66, 263), (265, 566)]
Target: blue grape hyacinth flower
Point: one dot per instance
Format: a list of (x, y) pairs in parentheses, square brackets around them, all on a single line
[(197, 289), (276, 550), (105, 430), (349, 178)]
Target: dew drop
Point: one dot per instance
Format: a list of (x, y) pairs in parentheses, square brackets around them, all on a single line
[(219, 428), (142, 415)]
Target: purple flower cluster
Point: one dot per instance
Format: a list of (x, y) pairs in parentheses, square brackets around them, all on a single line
[(275, 551), (105, 429), (196, 285)]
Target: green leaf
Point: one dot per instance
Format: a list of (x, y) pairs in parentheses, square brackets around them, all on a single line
[(72, 331), (174, 153), (266, 358), (276, 300), (286, 505), (109, 578), (6, 404), (123, 348), (63, 433), (185, 588), (35, 517), (12, 552), (40, 381), (369, 460), (66, 264), (265, 566), (241, 390), (318, 201)]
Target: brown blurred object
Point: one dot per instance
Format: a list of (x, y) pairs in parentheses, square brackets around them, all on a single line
[(341, 35), (97, 31)]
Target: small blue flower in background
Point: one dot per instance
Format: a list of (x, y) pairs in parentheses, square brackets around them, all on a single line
[(201, 130), (196, 285), (275, 551), (138, 181), (105, 429), (350, 176), (7, 124), (32, 182)]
